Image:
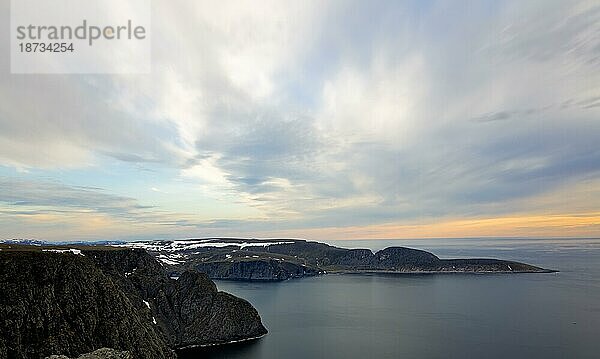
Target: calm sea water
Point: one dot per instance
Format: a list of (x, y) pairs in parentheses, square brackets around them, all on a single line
[(434, 316)]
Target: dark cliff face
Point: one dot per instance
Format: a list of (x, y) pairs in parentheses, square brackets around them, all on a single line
[(65, 303), (190, 309), (259, 270), (197, 314), (54, 303)]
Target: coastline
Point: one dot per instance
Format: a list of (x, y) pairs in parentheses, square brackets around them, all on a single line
[(195, 346), (544, 271)]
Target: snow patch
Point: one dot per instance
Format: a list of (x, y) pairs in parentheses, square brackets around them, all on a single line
[(184, 245), (147, 304), (168, 259), (71, 250)]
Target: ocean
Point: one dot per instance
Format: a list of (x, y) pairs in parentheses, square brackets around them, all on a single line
[(531, 316)]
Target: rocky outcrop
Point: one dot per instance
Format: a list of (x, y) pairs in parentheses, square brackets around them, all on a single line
[(190, 309), (75, 302), (103, 353), (195, 313)]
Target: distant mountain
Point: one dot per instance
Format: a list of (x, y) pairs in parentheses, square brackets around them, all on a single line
[(77, 299), (35, 242), (281, 259), (25, 242)]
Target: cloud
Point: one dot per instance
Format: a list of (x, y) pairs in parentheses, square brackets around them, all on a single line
[(56, 197), (315, 116)]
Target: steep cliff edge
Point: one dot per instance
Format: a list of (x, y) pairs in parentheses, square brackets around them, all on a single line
[(70, 302), (190, 309)]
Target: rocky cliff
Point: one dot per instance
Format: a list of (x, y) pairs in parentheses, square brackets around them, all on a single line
[(256, 269), (71, 302)]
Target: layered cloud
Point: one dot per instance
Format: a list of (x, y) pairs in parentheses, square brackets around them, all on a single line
[(308, 118)]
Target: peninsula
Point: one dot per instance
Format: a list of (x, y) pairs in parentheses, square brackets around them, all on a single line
[(281, 259)]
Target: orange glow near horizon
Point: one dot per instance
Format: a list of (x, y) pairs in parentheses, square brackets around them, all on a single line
[(95, 226), (553, 226)]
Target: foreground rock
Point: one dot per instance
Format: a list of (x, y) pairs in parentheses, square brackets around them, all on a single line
[(103, 353), (281, 259), (70, 302)]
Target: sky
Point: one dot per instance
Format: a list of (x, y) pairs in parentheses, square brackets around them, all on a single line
[(319, 120)]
